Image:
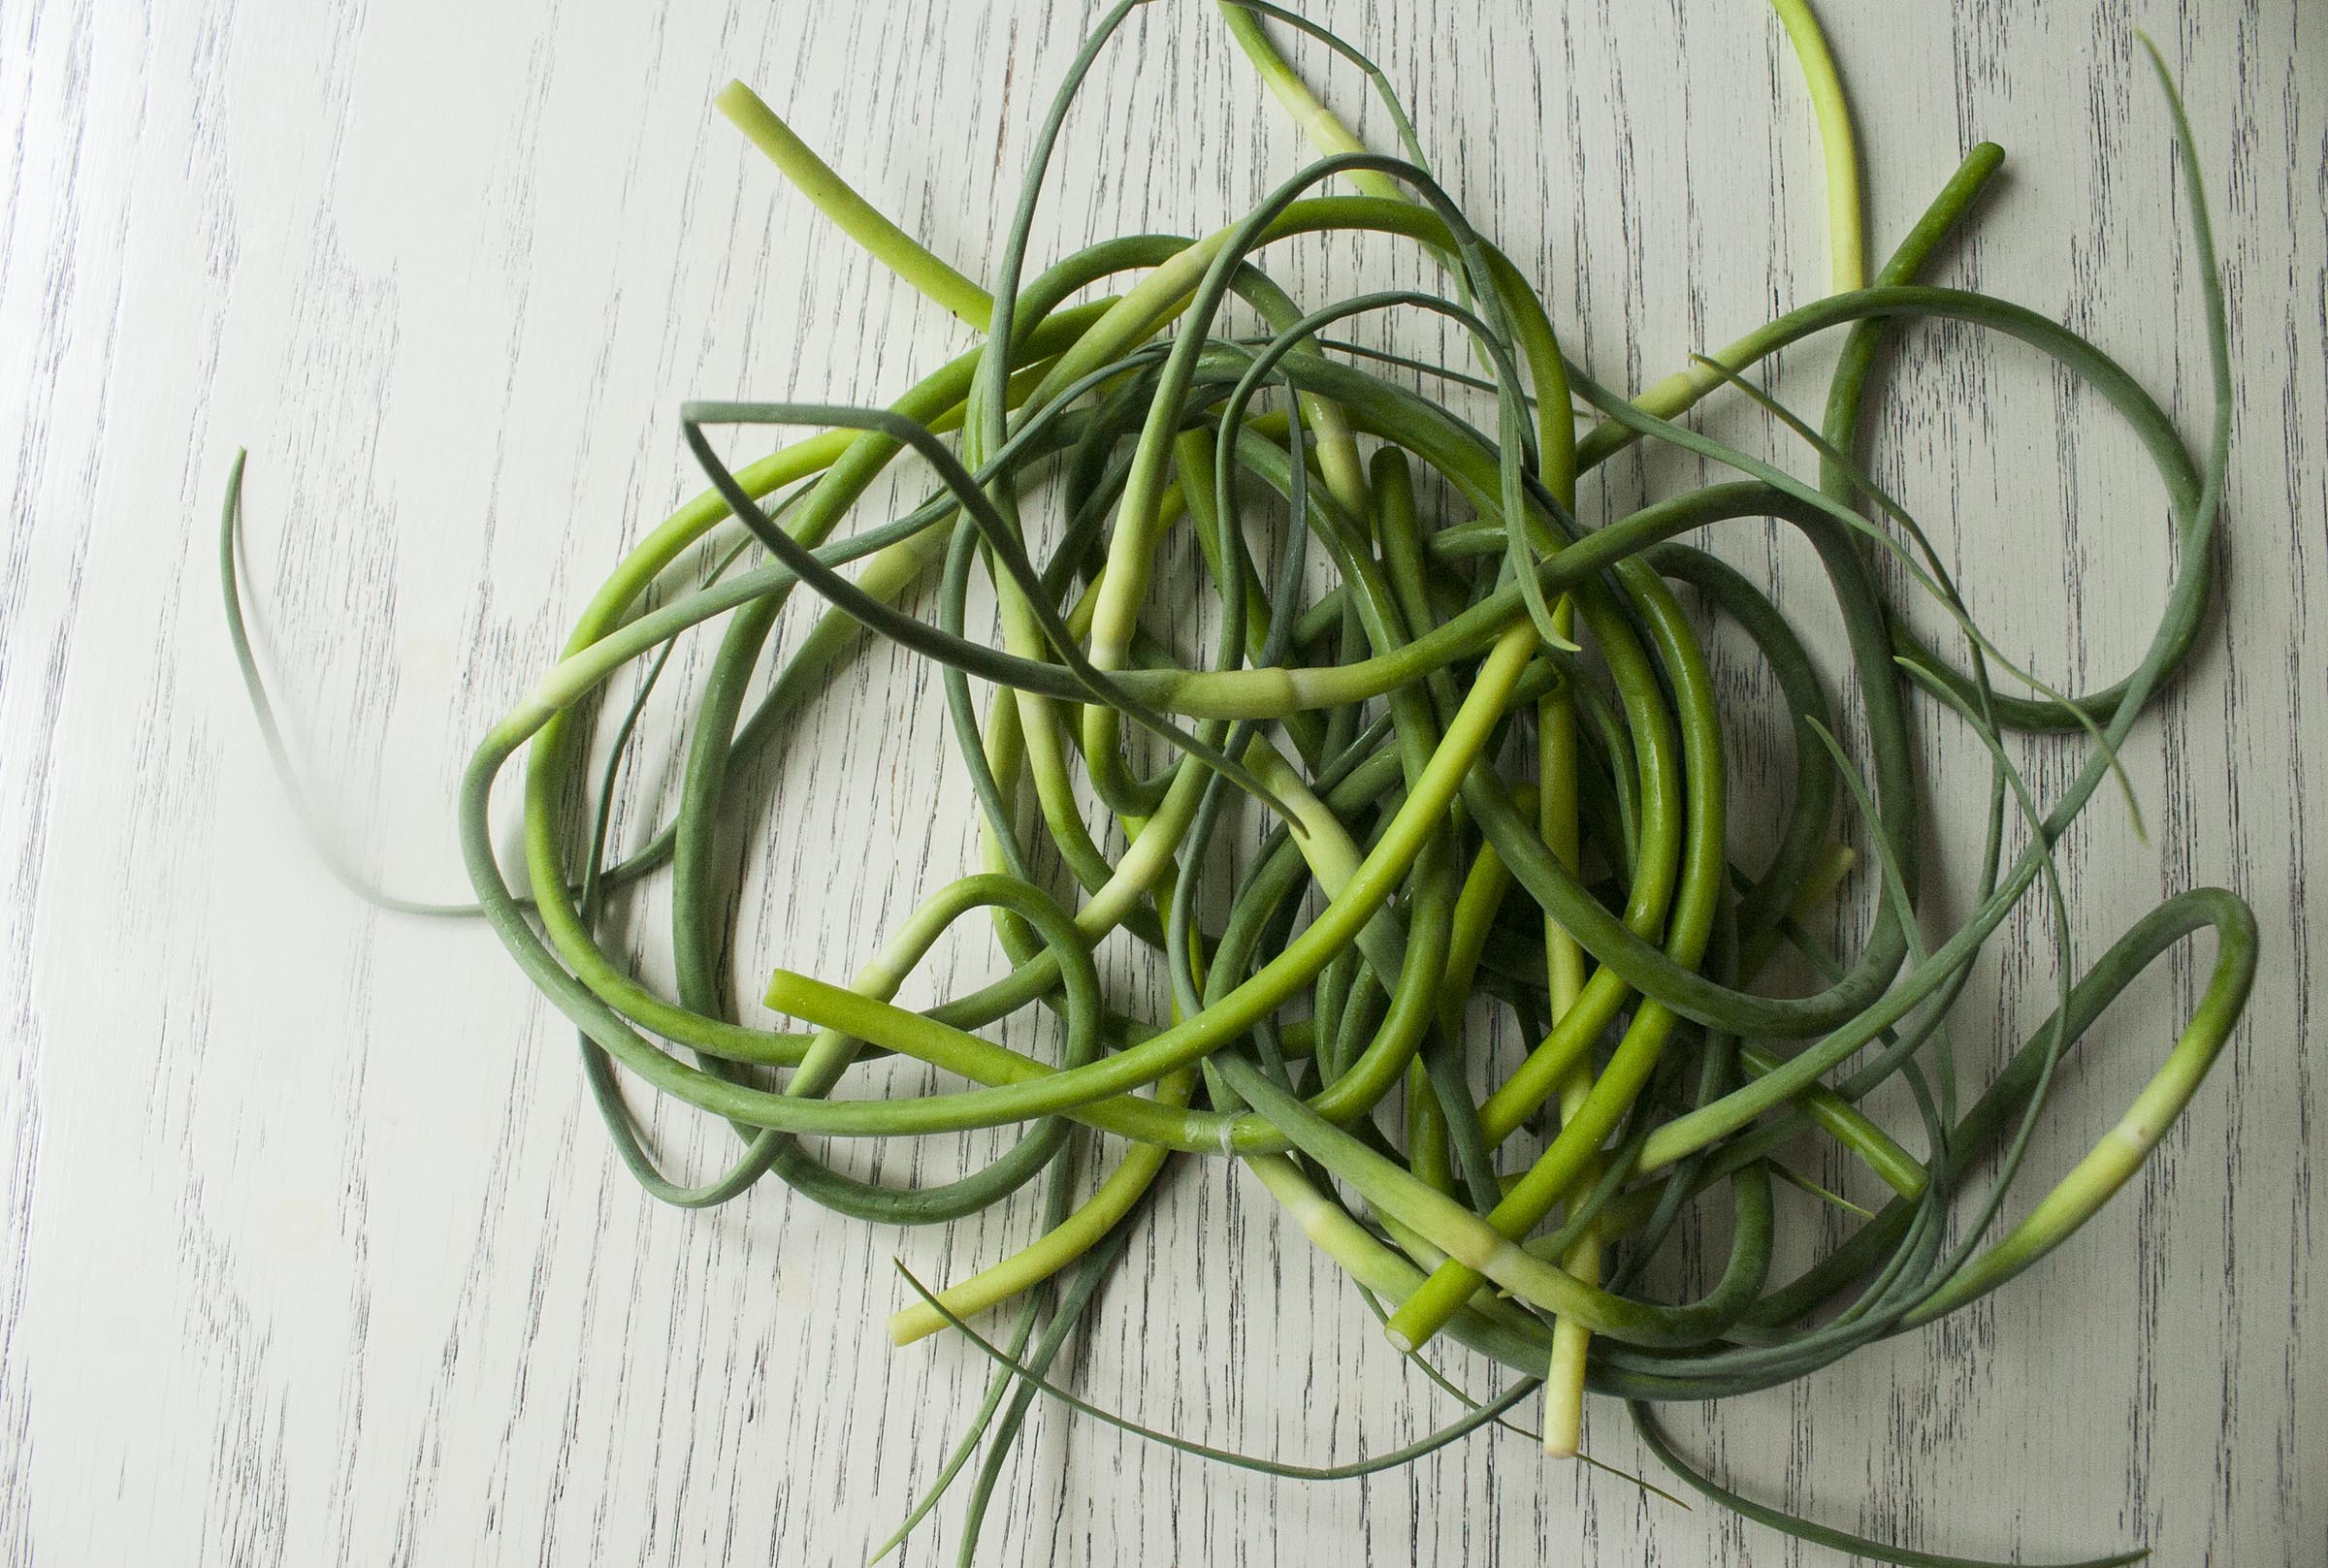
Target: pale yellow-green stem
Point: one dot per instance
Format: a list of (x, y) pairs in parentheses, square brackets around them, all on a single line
[(901, 252), (1057, 1248), (1321, 125), (1556, 769), (1839, 145), (1846, 223)]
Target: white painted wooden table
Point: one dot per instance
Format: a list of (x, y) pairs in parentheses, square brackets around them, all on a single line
[(311, 1248)]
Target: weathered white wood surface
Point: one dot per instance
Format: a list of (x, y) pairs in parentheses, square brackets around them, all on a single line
[(310, 1249)]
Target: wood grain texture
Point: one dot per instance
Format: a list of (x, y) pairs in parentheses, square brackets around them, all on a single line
[(310, 1249)]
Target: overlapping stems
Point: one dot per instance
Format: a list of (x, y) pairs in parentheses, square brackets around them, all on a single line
[(1374, 716)]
